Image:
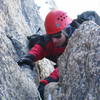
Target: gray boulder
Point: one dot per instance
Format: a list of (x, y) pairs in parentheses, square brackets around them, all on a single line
[(18, 19), (15, 83), (79, 67)]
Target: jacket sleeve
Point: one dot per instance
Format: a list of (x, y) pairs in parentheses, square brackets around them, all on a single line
[(53, 77), (38, 52)]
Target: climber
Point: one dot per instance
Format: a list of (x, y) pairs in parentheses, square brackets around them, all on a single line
[(59, 28)]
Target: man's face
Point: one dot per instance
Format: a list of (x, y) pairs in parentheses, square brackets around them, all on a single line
[(59, 40)]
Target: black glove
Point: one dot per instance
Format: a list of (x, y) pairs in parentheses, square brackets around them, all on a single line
[(41, 89), (77, 22), (33, 39), (28, 60)]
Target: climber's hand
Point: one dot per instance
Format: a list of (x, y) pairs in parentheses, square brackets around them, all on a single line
[(28, 60)]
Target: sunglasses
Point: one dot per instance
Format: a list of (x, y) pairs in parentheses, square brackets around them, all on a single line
[(68, 31), (56, 35)]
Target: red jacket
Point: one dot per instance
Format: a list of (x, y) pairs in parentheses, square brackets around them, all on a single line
[(44, 47)]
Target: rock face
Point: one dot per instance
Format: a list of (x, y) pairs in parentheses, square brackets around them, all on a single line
[(80, 65), (15, 25), (18, 19), (15, 84)]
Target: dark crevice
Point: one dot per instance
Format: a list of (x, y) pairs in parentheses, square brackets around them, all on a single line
[(17, 46)]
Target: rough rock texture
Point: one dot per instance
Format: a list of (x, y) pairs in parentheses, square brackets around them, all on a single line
[(79, 67), (15, 84), (52, 91), (18, 19), (45, 67)]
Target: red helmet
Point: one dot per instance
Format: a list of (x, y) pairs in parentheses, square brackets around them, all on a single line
[(56, 21)]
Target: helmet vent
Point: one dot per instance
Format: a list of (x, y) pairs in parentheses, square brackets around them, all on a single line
[(58, 18), (61, 19)]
